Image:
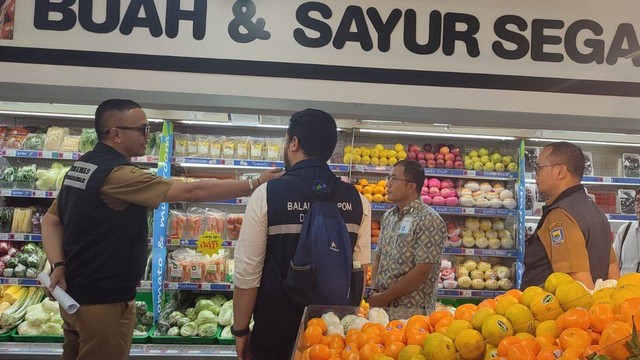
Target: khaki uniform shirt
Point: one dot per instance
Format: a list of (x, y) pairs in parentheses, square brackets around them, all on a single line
[(410, 236)]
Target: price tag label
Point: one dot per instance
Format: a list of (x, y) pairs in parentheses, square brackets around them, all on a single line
[(466, 293), (469, 252), (209, 243)]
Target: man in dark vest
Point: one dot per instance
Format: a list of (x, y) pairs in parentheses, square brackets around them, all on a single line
[(270, 233), (95, 232), (573, 236)]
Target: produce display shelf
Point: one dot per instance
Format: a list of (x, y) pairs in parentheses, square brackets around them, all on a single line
[(598, 180), (146, 285), (250, 164), (28, 193), (19, 281), (460, 293), (455, 173), (453, 210), (21, 237), (145, 159), (193, 242), (39, 154), (25, 351), (611, 217), (480, 252)]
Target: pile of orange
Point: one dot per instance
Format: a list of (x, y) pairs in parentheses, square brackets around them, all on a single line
[(374, 192)]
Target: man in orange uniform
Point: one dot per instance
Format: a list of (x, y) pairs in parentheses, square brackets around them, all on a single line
[(573, 236)]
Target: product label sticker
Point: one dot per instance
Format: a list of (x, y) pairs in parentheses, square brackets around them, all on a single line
[(557, 236), (405, 226)]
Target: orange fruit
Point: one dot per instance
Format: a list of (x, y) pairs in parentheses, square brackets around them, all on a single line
[(595, 336), (351, 348), (318, 322), (613, 340), (574, 337), (573, 318), (419, 320), (373, 328), (520, 352), (573, 352), (630, 311), (516, 294), (442, 325), (325, 340), (465, 314), (312, 335), (488, 303), (305, 354), (415, 329), (590, 350), (532, 345), (545, 341), (336, 343), (395, 325), (436, 316), (549, 353), (505, 344), (369, 350), (356, 337), (417, 338), (393, 349), (394, 336), (601, 315), (319, 352), (352, 356), (375, 340)]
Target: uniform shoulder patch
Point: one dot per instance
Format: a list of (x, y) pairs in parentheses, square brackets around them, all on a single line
[(557, 236), (555, 225)]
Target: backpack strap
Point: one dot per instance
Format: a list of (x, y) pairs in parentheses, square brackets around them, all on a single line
[(624, 238)]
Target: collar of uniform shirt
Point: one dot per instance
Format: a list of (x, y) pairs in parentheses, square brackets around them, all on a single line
[(409, 208)]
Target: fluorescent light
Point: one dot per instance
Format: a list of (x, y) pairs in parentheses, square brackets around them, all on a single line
[(225, 166), (417, 133), (155, 120), (209, 123), (269, 126), (587, 142), (45, 114)]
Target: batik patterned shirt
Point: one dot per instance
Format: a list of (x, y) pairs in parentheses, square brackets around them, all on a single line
[(410, 236)]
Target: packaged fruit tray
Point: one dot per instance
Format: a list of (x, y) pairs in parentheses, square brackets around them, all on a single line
[(179, 340)]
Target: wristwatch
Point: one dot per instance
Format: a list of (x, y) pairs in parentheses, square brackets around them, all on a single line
[(240, 333)]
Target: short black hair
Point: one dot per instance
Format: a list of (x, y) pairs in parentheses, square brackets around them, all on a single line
[(413, 172), (316, 132), (568, 154), (111, 105)]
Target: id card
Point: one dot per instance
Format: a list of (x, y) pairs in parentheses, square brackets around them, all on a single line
[(405, 226)]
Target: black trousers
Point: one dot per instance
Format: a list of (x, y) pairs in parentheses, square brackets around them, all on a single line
[(265, 354)]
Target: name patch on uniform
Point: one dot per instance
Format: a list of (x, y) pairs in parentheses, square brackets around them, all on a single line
[(79, 174), (555, 225), (557, 236), (405, 226)]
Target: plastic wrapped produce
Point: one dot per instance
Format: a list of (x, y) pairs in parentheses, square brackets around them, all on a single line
[(234, 224), (70, 143), (33, 142), (55, 137)]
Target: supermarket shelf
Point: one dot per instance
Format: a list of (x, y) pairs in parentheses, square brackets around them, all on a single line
[(39, 154), (27, 351), (146, 159), (146, 285), (21, 237), (455, 173), (28, 193), (480, 252), (459, 293), (250, 164), (611, 217), (192, 242), (19, 281), (598, 180), (452, 210)]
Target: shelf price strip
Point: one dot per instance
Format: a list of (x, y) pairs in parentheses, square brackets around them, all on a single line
[(21, 237)]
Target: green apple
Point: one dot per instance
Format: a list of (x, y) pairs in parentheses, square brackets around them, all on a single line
[(468, 164), (483, 151), (473, 153), (499, 166), (512, 167), (496, 158), (485, 159), (489, 166), (507, 159), (478, 165), (475, 159), (467, 157)]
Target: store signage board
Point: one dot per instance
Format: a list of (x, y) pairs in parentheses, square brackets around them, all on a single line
[(573, 47)]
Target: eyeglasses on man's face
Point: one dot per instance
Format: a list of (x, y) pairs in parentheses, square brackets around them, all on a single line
[(537, 167), (391, 179), (143, 129)]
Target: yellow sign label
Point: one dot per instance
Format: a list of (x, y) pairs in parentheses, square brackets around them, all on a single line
[(209, 243)]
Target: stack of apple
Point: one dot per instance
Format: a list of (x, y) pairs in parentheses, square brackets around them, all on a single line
[(482, 275), (441, 156), (438, 192), (483, 233), (481, 160), (375, 231), (376, 155), (485, 194)]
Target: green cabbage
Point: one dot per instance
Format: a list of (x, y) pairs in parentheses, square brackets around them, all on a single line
[(60, 178), (141, 307), (174, 317), (147, 319), (226, 314), (56, 319), (204, 304), (174, 331), (206, 317), (226, 333), (50, 306), (191, 313), (207, 330), (37, 315), (189, 329), (52, 329), (219, 299), (26, 328), (183, 321)]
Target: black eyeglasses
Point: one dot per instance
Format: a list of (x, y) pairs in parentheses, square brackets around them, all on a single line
[(392, 179), (537, 167), (144, 129)]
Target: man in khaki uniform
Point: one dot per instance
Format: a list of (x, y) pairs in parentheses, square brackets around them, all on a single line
[(95, 233), (573, 236)]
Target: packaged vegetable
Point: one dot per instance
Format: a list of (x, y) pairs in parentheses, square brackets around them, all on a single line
[(257, 149), (203, 145), (228, 148), (197, 268), (70, 143), (16, 138), (192, 145), (242, 148), (175, 271), (196, 222), (21, 220), (234, 224), (153, 143), (6, 219), (215, 221), (274, 149), (33, 142), (180, 144), (88, 140), (31, 273), (8, 272), (20, 271), (179, 224), (215, 147), (54, 139)]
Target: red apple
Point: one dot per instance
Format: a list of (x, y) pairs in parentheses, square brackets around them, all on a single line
[(440, 163), (444, 150), (458, 165), (429, 156), (430, 163), (449, 157), (414, 149), (420, 156), (455, 151), (458, 158), (448, 164), (411, 156), (440, 156), (427, 147)]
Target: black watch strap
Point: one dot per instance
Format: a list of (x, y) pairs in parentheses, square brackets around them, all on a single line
[(240, 333)]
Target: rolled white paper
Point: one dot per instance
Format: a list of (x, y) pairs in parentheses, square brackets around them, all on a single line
[(67, 302)]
